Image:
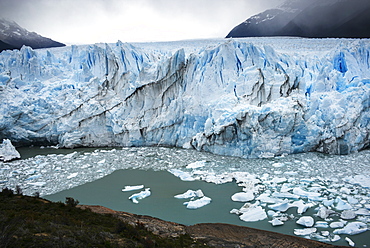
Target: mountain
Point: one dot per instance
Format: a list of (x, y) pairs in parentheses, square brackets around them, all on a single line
[(315, 19), (13, 36), (249, 98)]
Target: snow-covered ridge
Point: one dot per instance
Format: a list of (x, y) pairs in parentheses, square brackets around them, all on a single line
[(248, 98)]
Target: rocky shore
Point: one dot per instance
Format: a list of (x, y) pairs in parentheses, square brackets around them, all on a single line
[(213, 234)]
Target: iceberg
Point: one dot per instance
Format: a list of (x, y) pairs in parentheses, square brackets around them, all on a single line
[(243, 196), (254, 213), (8, 151), (352, 228), (141, 195), (132, 188), (250, 98), (190, 194), (201, 202), (306, 221)]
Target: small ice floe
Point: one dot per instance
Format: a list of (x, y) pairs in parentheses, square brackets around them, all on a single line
[(37, 184), (184, 176), (196, 164), (33, 177), (72, 175), (352, 228), (190, 194), (324, 212), (313, 196), (348, 215), (322, 224), (337, 224), (282, 206), (243, 196), (276, 222), (285, 195), (350, 242), (278, 165), (265, 197), (201, 202), (305, 231), (141, 195), (301, 206), (341, 204), (8, 151), (252, 214), (132, 188), (306, 221), (363, 211)]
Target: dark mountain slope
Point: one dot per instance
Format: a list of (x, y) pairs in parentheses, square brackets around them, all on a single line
[(328, 18), (16, 36)]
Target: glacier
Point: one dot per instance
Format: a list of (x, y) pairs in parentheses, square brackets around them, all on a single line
[(252, 97)]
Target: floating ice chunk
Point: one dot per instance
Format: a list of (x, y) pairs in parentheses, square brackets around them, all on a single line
[(305, 231), (306, 221), (37, 184), (363, 211), (72, 175), (265, 197), (302, 207), (198, 203), (252, 214), (101, 161), (327, 202), (278, 180), (278, 165), (190, 194), (341, 204), (351, 200), (335, 238), (285, 195), (141, 195), (282, 206), (322, 224), (350, 242), (276, 222), (243, 196), (324, 212), (70, 155), (325, 233), (310, 195), (362, 180), (352, 228), (8, 151), (337, 224), (131, 188), (196, 164), (34, 177), (184, 176), (348, 215)]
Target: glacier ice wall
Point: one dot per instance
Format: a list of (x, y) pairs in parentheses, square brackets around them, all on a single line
[(233, 97)]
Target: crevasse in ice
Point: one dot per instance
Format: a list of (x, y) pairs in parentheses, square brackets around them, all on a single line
[(247, 97)]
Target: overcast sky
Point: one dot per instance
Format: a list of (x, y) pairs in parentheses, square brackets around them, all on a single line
[(92, 21)]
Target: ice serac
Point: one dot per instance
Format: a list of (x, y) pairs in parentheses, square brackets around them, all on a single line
[(235, 97)]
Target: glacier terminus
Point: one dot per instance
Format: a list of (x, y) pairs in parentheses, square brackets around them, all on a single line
[(252, 97)]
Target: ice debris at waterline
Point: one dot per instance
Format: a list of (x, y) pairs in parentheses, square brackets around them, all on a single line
[(324, 187), (8, 151), (253, 97), (139, 196)]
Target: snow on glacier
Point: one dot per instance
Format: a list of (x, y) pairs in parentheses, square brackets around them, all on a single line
[(244, 97)]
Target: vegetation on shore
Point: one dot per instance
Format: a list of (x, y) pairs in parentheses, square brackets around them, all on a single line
[(27, 221)]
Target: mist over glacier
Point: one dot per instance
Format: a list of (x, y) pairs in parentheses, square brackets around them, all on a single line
[(244, 97)]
